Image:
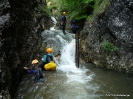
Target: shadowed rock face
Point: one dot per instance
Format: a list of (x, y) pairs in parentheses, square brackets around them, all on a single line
[(114, 26), (4, 7), (21, 24)]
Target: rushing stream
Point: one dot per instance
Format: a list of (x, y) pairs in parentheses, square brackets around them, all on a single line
[(69, 82)]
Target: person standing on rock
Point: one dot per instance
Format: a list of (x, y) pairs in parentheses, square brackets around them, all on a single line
[(63, 22), (74, 25)]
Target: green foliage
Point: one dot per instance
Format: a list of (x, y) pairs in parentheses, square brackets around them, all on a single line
[(99, 7), (81, 9), (87, 1), (45, 9), (54, 7), (76, 8), (81, 17), (109, 46)]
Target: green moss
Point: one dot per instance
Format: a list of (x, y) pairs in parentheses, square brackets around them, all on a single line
[(109, 46)]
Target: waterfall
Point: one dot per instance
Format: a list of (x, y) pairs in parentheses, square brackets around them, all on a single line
[(67, 59), (68, 66), (54, 22), (65, 44), (68, 81)]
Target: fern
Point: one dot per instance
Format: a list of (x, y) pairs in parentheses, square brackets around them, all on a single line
[(109, 46)]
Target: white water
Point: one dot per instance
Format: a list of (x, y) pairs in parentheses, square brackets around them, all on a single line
[(67, 64), (67, 82), (70, 82), (54, 22)]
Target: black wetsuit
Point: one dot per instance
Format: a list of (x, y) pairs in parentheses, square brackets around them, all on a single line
[(74, 26), (38, 75), (63, 25)]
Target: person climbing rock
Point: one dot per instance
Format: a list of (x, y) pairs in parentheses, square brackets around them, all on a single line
[(74, 25), (63, 22), (48, 58), (36, 71)]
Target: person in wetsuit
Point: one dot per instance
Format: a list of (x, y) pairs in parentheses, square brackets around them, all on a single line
[(38, 76), (63, 22), (74, 25), (47, 58)]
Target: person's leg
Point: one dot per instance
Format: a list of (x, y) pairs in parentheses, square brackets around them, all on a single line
[(73, 30), (63, 29)]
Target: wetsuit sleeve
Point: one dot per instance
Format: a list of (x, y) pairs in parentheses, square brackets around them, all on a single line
[(32, 71)]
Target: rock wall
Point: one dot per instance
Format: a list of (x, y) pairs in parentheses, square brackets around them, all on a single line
[(116, 27), (21, 24)]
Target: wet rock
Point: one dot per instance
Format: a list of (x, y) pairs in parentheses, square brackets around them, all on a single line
[(3, 20), (114, 26), (21, 24), (55, 39)]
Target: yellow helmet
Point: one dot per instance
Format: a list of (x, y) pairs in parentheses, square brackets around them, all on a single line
[(49, 50), (34, 61), (64, 13)]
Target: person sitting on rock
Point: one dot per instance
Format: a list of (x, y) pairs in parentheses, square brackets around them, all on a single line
[(47, 58)]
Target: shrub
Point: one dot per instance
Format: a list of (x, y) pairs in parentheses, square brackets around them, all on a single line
[(109, 46)]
